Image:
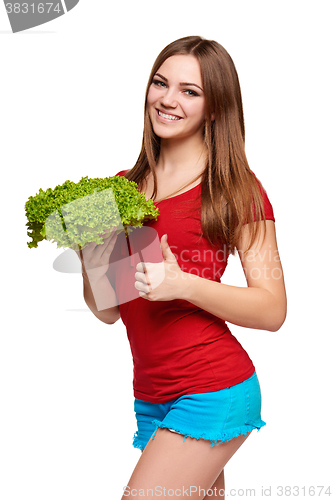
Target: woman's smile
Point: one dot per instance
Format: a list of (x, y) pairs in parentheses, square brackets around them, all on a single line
[(167, 117)]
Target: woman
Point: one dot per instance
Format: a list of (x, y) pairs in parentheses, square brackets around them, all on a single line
[(197, 396)]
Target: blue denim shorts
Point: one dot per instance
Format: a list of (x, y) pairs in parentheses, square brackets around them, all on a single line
[(215, 416)]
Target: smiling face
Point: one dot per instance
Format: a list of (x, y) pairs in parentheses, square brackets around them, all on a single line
[(175, 101)]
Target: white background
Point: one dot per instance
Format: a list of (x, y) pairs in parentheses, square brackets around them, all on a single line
[(72, 105)]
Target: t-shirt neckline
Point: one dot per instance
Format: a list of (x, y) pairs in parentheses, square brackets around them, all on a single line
[(178, 195)]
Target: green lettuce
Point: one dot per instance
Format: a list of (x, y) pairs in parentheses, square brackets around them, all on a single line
[(75, 214)]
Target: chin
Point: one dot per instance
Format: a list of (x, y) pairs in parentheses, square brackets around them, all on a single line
[(163, 133), (166, 135)]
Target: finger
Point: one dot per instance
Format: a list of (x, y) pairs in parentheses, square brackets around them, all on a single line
[(146, 275), (141, 287), (141, 277), (112, 236), (103, 247), (99, 248), (81, 252), (143, 270), (142, 267), (89, 247), (108, 245), (109, 232)]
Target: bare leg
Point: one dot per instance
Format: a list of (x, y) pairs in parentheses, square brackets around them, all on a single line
[(218, 488), (185, 469)]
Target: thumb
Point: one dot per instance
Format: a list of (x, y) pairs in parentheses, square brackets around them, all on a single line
[(166, 250)]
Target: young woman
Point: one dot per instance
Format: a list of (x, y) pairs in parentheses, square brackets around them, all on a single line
[(197, 395)]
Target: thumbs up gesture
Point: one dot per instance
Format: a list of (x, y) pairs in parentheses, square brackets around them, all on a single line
[(161, 281)]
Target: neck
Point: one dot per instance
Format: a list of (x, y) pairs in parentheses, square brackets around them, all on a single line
[(180, 156)]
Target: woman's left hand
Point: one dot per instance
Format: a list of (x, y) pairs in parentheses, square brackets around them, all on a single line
[(161, 281)]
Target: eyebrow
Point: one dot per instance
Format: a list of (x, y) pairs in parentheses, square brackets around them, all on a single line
[(183, 84)]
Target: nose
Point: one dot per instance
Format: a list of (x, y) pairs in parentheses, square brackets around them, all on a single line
[(169, 98)]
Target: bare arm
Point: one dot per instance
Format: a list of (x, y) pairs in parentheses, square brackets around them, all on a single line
[(262, 304), (103, 289), (98, 292)]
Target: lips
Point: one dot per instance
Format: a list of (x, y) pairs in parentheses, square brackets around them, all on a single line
[(168, 116)]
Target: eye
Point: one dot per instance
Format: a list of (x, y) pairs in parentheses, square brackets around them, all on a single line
[(158, 83), (191, 92)]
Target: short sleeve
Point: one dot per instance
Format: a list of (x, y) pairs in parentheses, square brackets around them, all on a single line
[(268, 209), (122, 173)]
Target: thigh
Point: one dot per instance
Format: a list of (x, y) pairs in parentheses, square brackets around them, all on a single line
[(190, 468), (217, 490), (145, 414)]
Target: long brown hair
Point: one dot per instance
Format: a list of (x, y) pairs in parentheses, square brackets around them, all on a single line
[(230, 194)]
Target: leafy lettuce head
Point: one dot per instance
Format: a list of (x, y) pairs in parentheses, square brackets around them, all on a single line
[(75, 214)]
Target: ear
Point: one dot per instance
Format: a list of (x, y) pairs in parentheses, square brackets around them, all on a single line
[(212, 118)]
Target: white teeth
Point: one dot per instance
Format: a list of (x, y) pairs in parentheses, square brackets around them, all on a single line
[(170, 117)]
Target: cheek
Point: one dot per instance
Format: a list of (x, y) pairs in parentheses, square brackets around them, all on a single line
[(198, 112), (203, 113), (152, 96)]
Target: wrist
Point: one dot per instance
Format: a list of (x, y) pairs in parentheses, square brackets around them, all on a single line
[(96, 273), (93, 279), (188, 282)]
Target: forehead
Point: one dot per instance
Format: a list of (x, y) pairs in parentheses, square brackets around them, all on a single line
[(184, 68)]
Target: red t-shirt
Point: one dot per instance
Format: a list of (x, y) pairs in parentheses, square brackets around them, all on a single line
[(177, 347)]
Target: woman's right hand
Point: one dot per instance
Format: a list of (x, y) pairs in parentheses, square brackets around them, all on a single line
[(95, 258)]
